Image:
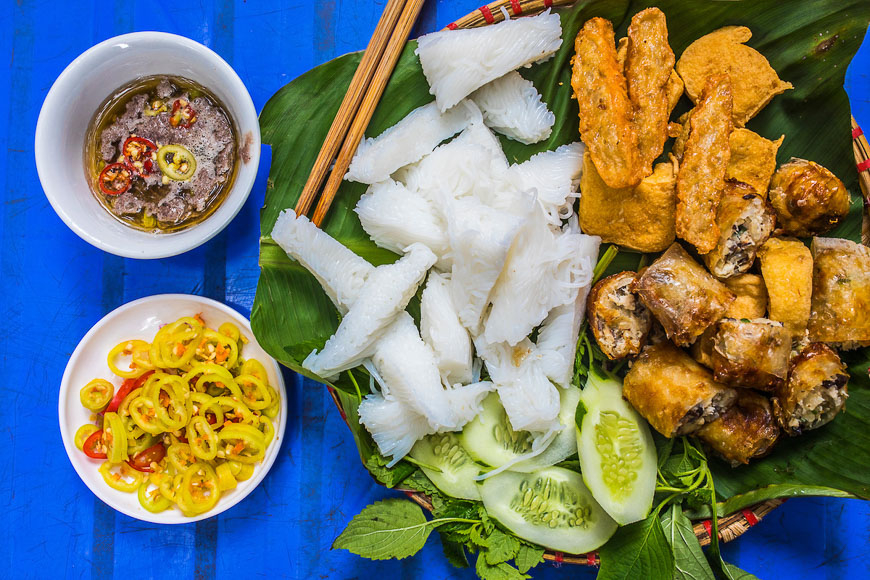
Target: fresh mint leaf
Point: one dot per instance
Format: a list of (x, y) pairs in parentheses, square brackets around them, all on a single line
[(487, 522), (689, 560), (455, 553), (478, 538), (638, 550), (528, 557), (392, 528), (501, 571), (501, 547), (389, 476)]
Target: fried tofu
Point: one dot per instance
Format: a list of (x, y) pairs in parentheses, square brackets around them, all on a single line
[(840, 313), (701, 177), (787, 269), (723, 51), (808, 199), (753, 159), (640, 218), (606, 112)]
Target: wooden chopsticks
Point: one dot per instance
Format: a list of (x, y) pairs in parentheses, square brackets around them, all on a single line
[(359, 105), (861, 148)]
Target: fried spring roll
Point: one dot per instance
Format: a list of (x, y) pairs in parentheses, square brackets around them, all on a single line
[(682, 295), (606, 125), (618, 319), (815, 392), (745, 431), (702, 170), (787, 269), (745, 222), (808, 199), (673, 392), (840, 313), (751, 353)]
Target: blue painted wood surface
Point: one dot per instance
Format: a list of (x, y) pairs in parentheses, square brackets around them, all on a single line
[(54, 287)]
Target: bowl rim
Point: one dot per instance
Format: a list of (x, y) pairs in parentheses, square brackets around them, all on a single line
[(176, 242), (103, 492)]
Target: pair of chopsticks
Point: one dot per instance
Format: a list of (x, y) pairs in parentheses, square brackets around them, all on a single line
[(358, 106), (861, 148)]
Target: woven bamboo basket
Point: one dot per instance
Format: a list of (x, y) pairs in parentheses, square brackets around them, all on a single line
[(733, 525)]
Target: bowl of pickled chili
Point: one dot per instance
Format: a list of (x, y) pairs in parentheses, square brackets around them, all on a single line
[(170, 411), (147, 145)]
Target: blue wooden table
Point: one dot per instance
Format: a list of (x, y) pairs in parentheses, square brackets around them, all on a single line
[(55, 286)]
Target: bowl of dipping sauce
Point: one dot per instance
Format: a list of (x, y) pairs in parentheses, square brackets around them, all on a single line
[(147, 145)]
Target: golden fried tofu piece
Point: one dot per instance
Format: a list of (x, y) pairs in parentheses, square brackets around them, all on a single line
[(649, 63), (680, 130), (753, 159), (840, 313), (606, 112), (808, 199), (702, 170), (747, 430), (723, 52), (745, 222), (640, 218), (682, 295), (787, 269), (674, 393)]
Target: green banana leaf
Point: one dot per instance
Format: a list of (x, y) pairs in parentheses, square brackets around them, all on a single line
[(809, 44)]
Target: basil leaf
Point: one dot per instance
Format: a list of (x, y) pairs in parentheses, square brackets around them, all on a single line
[(392, 528), (638, 550), (689, 560)]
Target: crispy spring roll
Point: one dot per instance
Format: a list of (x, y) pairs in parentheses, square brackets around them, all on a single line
[(606, 125), (673, 392), (640, 218), (649, 63), (682, 295), (745, 431), (753, 159), (745, 222), (618, 319), (702, 170), (787, 269), (840, 313), (808, 199), (751, 353), (750, 302), (815, 392)]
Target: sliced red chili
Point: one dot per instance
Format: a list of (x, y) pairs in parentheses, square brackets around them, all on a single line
[(115, 179), (94, 446), (139, 153), (126, 387), (182, 115), (142, 461)]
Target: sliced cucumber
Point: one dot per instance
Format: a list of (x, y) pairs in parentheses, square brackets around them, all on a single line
[(551, 507), (489, 437), (458, 469), (616, 451), (565, 443)]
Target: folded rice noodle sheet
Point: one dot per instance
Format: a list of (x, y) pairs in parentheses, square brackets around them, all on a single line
[(385, 294), (544, 269), (480, 238), (441, 330), (512, 106), (394, 426), (557, 339), (457, 62), (395, 217), (478, 133), (554, 177), (340, 272), (408, 141)]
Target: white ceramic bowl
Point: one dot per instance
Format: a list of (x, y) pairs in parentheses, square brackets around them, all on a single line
[(75, 97), (141, 319)]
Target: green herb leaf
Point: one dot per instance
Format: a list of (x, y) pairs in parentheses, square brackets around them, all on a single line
[(732, 572), (502, 547), (392, 528), (454, 552), (500, 571), (477, 537), (528, 557), (689, 560), (638, 550), (389, 476)]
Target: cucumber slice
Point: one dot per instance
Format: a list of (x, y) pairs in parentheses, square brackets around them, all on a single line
[(458, 469), (616, 451), (551, 508), (490, 439)]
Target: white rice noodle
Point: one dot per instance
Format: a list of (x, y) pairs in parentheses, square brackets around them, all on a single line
[(441, 330), (385, 294), (408, 141), (339, 271), (395, 217), (478, 133), (394, 426), (554, 176), (480, 238), (457, 62), (564, 444), (544, 269), (512, 106), (557, 339), (466, 401)]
